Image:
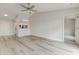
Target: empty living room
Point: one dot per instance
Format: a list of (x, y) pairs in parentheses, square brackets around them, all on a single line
[(39, 28)]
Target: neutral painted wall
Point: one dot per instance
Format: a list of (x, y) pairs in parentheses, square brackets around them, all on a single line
[(51, 24), (47, 25), (6, 27)]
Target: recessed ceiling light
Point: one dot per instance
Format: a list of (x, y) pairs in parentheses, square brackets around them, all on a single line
[(5, 14)]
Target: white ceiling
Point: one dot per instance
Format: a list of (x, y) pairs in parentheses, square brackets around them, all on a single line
[(43, 7), (12, 9)]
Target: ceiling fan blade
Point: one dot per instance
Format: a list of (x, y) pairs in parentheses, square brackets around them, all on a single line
[(29, 8), (23, 5), (32, 7), (28, 4), (23, 10)]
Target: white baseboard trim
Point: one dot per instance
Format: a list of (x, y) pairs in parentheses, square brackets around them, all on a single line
[(48, 38), (69, 37)]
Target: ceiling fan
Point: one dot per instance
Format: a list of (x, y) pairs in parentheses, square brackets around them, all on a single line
[(28, 8)]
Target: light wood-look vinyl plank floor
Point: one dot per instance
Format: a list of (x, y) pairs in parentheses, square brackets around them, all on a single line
[(32, 45)]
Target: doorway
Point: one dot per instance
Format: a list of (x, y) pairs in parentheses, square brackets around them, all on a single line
[(69, 30)]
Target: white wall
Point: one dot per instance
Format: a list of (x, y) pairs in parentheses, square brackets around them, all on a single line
[(47, 25), (6, 28), (50, 24)]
